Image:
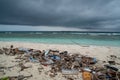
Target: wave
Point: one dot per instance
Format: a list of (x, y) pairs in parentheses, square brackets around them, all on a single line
[(61, 32)]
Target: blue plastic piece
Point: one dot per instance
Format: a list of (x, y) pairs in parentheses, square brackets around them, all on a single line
[(55, 57)]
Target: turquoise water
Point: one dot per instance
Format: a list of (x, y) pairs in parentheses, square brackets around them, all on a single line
[(99, 39)]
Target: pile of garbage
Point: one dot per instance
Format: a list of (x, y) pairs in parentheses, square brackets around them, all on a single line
[(66, 63)]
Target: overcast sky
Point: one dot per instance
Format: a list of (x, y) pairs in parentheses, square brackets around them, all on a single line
[(61, 15)]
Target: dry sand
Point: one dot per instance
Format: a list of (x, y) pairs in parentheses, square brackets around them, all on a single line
[(100, 52)]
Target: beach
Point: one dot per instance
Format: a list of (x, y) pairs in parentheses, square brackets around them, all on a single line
[(99, 52), (59, 40)]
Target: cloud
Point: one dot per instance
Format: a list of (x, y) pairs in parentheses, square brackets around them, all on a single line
[(37, 28), (82, 14)]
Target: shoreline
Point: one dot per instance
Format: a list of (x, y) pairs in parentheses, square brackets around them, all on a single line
[(80, 45)]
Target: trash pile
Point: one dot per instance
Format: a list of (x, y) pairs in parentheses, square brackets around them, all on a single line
[(66, 63)]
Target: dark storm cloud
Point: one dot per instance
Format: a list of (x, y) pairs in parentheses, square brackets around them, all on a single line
[(85, 14)]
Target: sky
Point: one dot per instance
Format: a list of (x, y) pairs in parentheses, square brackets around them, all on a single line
[(60, 15)]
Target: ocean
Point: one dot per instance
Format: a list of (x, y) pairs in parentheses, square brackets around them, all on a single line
[(63, 37)]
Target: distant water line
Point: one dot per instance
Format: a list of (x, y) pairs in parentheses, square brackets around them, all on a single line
[(86, 38)]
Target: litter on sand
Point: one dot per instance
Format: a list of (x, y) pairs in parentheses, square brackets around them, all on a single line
[(64, 63)]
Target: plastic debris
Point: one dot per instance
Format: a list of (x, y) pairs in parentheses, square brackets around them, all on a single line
[(70, 72), (87, 76), (55, 57), (111, 62), (110, 67), (87, 69), (67, 64), (33, 59)]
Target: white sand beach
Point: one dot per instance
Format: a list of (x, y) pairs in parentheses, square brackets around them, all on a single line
[(99, 52)]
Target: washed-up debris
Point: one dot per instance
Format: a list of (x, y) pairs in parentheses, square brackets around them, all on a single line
[(22, 66), (54, 57), (69, 72), (86, 75), (33, 59), (118, 75), (40, 70), (87, 69), (113, 56), (1, 51), (2, 68), (2, 72), (19, 77), (65, 63), (112, 62), (6, 51), (110, 67), (52, 75), (70, 79)]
